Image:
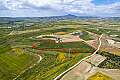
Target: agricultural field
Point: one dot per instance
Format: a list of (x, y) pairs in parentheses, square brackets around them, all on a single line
[(17, 54), (12, 64), (112, 61), (76, 46), (42, 50), (52, 65), (99, 76), (13, 60)]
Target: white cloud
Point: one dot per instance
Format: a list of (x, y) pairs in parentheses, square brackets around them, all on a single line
[(87, 7), (69, 6)]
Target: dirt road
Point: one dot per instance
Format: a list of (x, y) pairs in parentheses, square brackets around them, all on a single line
[(65, 72)]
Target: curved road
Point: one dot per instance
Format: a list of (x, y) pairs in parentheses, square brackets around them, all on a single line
[(40, 58), (62, 74)]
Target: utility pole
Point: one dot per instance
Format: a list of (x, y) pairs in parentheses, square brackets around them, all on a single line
[(69, 53)]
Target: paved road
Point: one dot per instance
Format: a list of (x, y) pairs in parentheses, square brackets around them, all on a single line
[(40, 58), (62, 74)]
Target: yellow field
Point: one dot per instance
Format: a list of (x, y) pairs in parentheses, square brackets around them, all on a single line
[(99, 76)]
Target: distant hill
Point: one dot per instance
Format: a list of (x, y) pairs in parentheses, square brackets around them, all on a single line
[(52, 18)]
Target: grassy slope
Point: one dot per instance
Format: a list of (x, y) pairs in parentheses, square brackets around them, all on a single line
[(46, 70), (12, 64), (80, 46), (49, 67)]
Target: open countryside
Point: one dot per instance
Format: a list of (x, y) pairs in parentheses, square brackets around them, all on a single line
[(60, 50), (59, 39)]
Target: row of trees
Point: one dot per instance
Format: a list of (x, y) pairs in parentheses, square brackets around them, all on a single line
[(112, 61)]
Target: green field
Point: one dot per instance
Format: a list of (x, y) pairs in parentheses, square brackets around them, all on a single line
[(49, 44), (17, 51), (112, 61), (50, 67), (12, 64)]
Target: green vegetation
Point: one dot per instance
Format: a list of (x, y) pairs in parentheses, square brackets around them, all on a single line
[(49, 37), (4, 32), (96, 30), (86, 36), (61, 30), (4, 45), (17, 60), (108, 31), (12, 64), (80, 46), (83, 35), (112, 61), (16, 53), (4, 48), (50, 67)]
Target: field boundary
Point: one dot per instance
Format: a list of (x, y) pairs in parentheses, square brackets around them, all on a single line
[(98, 48), (40, 58)]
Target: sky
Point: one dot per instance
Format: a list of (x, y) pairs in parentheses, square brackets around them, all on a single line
[(41, 8)]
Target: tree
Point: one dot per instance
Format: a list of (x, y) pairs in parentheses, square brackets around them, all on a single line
[(61, 57), (18, 51), (34, 45)]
